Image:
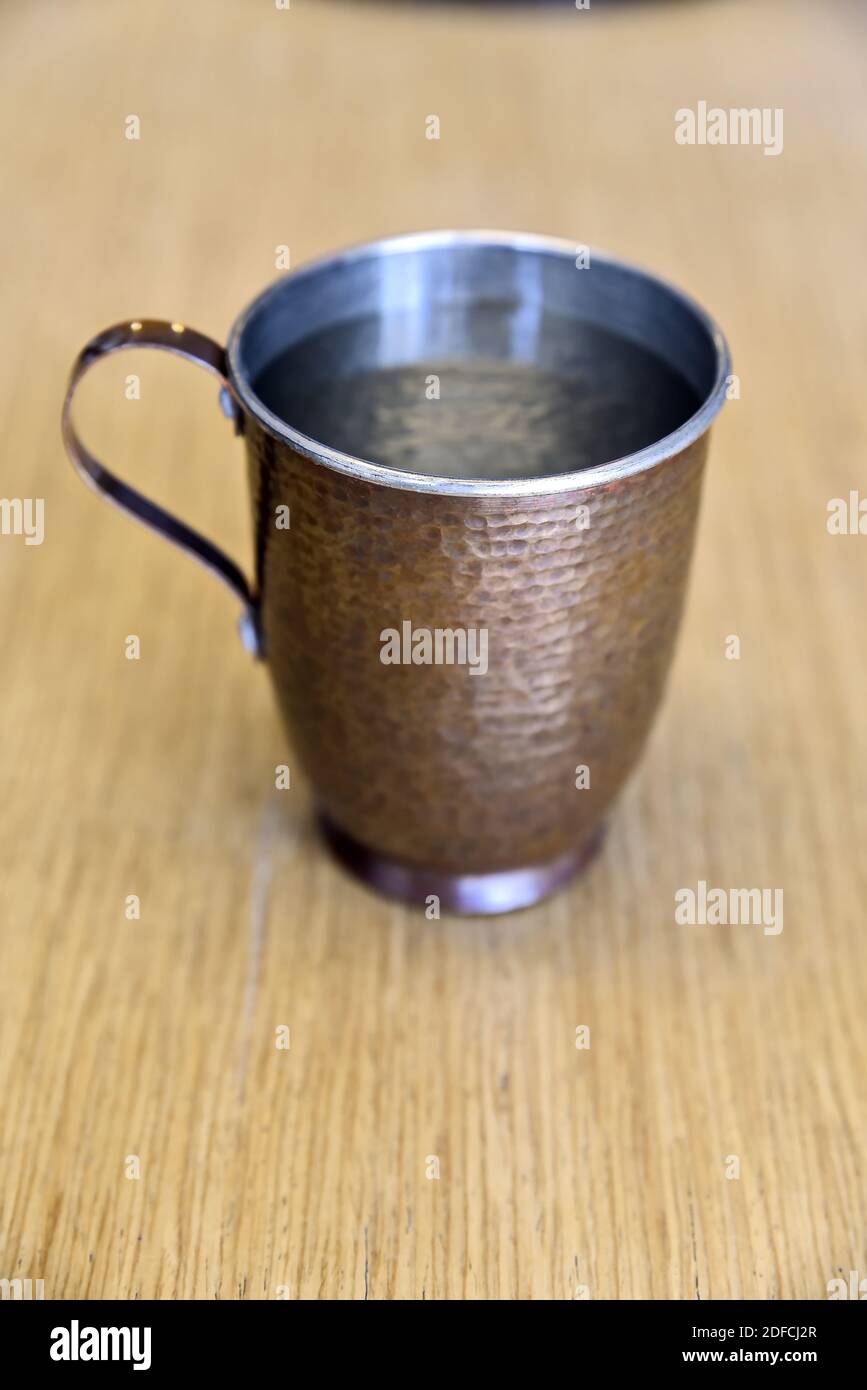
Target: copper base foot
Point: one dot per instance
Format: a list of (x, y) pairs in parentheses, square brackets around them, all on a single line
[(504, 890)]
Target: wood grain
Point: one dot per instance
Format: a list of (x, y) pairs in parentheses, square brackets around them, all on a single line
[(303, 1172)]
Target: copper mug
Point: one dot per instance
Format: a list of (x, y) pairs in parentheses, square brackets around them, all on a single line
[(468, 655)]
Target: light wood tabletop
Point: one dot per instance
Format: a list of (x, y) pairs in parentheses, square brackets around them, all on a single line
[(432, 1130)]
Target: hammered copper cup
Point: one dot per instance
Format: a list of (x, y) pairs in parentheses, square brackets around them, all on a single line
[(485, 789)]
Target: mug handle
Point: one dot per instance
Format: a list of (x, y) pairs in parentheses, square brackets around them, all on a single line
[(196, 347)]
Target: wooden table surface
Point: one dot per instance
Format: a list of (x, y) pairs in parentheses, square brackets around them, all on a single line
[(155, 1140)]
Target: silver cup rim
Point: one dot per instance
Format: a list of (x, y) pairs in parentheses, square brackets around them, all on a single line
[(640, 461)]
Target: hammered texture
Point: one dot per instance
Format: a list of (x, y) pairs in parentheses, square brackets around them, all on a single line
[(428, 763)]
